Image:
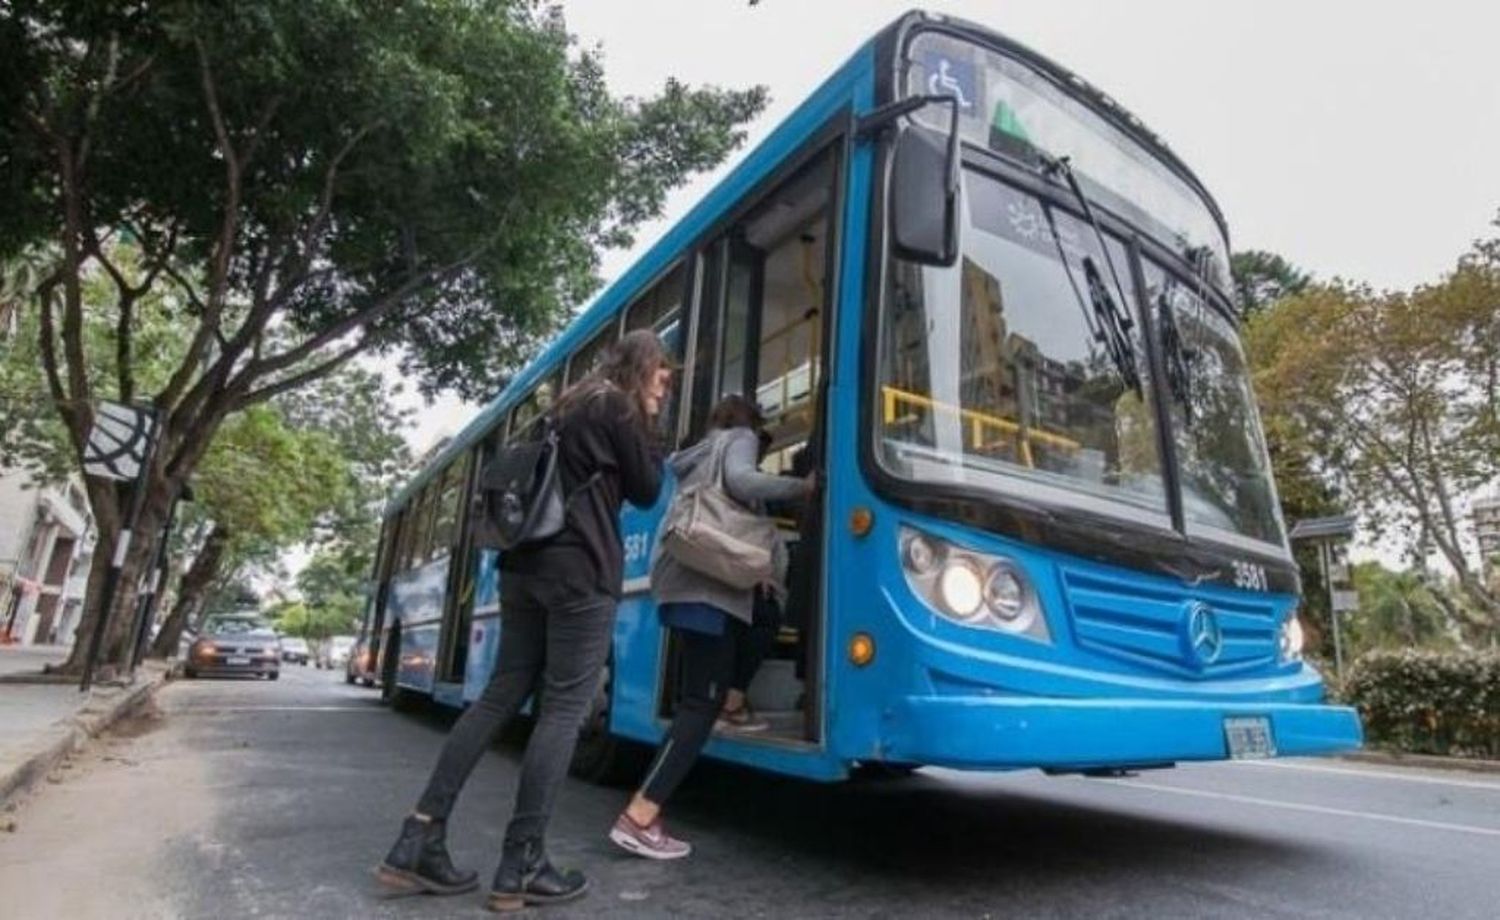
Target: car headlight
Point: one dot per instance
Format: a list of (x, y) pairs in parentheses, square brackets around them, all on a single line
[(972, 588), (1292, 638)]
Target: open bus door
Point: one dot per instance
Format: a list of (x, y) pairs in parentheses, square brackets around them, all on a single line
[(762, 331)]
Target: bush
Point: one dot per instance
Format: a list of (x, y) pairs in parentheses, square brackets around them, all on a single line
[(1429, 702)]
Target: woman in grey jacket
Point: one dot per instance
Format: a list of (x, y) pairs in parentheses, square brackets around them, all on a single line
[(700, 608)]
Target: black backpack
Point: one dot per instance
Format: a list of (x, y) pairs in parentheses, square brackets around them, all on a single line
[(521, 498), (520, 491)]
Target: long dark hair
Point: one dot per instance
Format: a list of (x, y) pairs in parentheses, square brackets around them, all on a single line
[(736, 411), (628, 364)]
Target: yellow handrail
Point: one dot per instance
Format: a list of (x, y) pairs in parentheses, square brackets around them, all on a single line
[(978, 422)]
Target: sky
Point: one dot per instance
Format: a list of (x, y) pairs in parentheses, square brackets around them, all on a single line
[(1357, 139)]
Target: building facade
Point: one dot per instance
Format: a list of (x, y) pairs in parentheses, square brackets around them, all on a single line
[(47, 540)]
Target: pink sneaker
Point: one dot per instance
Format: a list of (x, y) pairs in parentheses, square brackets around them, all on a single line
[(651, 842)]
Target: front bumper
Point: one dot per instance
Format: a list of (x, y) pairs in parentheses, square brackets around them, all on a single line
[(217, 667), (988, 732)]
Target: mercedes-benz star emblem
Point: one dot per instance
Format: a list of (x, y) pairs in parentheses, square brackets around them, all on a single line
[(1205, 638)]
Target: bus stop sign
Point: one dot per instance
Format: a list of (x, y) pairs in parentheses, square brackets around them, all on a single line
[(117, 444)]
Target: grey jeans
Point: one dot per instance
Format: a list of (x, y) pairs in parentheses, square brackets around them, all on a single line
[(550, 638)]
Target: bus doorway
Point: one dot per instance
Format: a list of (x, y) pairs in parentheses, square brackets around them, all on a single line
[(761, 332)]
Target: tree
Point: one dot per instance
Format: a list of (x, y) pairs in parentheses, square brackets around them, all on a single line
[(242, 514), (356, 410), (1262, 278), (1397, 395), (313, 180), (261, 487), (315, 624), (1396, 610), (350, 413)]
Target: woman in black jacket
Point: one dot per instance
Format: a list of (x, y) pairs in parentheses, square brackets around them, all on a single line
[(557, 610)]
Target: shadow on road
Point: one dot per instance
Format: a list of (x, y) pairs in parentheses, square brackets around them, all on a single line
[(979, 836)]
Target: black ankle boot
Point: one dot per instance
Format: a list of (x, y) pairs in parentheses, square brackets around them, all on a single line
[(419, 863), (527, 877)]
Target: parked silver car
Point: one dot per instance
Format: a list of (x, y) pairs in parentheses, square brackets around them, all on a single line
[(234, 644), (294, 649)]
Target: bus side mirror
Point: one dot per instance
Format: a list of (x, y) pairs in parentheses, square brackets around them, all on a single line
[(924, 198), (924, 181)]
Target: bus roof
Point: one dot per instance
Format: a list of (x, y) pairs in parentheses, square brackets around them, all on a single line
[(785, 140)]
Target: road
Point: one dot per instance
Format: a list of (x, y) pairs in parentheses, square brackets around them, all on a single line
[(256, 799)]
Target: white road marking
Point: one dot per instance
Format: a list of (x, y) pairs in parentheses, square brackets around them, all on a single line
[(1375, 774), (1315, 809)]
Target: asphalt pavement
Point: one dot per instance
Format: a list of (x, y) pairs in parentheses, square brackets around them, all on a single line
[(252, 798)]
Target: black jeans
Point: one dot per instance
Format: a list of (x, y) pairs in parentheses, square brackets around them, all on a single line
[(550, 636), (753, 643), (707, 666)]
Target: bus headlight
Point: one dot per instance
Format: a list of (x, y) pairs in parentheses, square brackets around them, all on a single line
[(1004, 594), (972, 588), (918, 553), (1291, 638), (959, 588)]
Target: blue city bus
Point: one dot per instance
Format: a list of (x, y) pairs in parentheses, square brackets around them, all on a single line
[(994, 311)]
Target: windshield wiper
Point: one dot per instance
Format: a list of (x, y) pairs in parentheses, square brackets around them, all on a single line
[(1177, 357), (1108, 320)]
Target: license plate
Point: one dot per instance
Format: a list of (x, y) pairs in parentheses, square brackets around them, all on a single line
[(1249, 737), (237, 660)]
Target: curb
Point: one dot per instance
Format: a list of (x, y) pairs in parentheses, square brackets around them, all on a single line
[(76, 731), (1425, 761)]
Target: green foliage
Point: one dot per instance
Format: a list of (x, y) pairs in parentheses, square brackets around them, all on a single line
[(355, 409), (1262, 278), (330, 576), (438, 176), (1397, 610), (313, 623), (1429, 702), (32, 436), (234, 597), (267, 483)]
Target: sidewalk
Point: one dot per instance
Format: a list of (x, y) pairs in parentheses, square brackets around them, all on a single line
[(15, 659), (41, 723)]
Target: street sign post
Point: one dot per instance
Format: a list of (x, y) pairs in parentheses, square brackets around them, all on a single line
[(1326, 534), (119, 447), (146, 603)]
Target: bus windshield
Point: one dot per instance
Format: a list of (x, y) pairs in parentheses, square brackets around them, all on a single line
[(1006, 106), (995, 373), (1034, 396)]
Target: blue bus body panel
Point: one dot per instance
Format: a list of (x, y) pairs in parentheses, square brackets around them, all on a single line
[(1003, 732), (938, 692)]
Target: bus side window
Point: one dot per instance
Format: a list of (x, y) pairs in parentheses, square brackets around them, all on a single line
[(585, 358), (531, 406), (446, 509), (660, 310)]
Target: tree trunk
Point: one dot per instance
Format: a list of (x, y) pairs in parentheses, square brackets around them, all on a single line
[(137, 560), (193, 591)]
